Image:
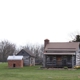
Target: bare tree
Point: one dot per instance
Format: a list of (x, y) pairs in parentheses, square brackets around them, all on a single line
[(39, 53), (6, 48), (75, 37), (37, 50)]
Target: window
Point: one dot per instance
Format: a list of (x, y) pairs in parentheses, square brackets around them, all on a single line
[(69, 58), (50, 58)]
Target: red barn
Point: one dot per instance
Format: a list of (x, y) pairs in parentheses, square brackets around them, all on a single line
[(15, 61)]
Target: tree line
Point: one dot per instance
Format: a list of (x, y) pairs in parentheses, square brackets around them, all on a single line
[(7, 48)]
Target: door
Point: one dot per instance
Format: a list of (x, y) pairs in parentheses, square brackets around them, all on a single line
[(14, 65), (59, 60)]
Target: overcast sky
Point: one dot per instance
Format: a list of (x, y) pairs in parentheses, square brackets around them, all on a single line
[(32, 21)]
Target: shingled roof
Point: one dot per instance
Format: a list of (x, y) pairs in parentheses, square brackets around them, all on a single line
[(62, 46), (27, 51)]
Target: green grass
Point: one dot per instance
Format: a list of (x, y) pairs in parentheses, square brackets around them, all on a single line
[(34, 73)]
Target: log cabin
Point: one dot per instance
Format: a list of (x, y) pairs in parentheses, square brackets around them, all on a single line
[(28, 57), (61, 54)]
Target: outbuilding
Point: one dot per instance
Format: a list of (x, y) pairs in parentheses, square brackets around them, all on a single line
[(15, 61), (28, 57), (61, 54)]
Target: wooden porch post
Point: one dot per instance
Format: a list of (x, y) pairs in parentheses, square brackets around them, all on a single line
[(44, 60), (72, 61)]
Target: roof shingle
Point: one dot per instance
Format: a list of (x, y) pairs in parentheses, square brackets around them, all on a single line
[(64, 46)]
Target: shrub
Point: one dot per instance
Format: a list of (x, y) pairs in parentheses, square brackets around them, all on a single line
[(77, 67), (65, 67)]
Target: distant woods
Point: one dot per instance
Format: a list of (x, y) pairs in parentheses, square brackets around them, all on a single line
[(7, 48), (37, 50)]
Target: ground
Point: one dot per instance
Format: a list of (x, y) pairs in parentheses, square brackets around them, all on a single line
[(35, 73)]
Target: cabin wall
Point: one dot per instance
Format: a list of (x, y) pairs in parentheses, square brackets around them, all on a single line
[(59, 60), (26, 60), (32, 61), (78, 58)]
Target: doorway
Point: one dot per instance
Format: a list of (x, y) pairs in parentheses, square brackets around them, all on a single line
[(14, 65), (59, 60)]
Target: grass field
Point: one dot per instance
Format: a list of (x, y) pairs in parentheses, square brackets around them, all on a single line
[(34, 73)]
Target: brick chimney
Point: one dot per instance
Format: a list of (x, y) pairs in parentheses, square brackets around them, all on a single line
[(46, 41)]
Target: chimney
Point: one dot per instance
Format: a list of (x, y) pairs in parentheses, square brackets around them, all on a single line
[(46, 41), (13, 55)]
